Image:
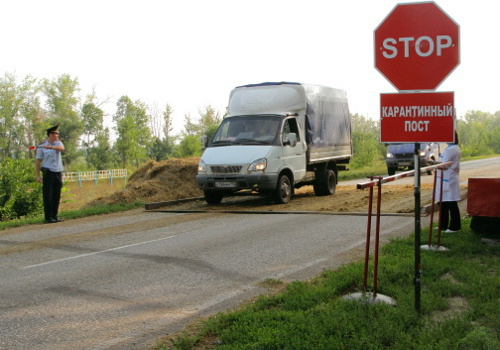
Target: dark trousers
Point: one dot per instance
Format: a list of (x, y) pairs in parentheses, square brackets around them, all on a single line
[(450, 215), (52, 185)]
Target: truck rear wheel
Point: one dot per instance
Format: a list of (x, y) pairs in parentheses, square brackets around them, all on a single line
[(283, 191), (325, 183), (213, 197)]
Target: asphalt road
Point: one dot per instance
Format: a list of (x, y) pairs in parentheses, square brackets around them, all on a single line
[(70, 286), (120, 281), (488, 167)]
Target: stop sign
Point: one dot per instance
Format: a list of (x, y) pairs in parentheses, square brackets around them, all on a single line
[(416, 46)]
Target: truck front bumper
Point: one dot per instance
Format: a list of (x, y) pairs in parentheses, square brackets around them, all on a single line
[(256, 182)]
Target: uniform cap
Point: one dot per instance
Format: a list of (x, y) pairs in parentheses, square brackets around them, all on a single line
[(55, 128)]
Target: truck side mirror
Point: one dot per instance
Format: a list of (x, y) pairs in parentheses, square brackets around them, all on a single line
[(291, 139), (204, 141)]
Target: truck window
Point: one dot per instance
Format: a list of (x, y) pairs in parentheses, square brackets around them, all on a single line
[(290, 126)]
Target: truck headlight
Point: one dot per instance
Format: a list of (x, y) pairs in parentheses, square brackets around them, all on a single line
[(390, 155), (258, 165), (202, 167), (422, 153)]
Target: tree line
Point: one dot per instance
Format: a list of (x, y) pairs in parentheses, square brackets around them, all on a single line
[(145, 132), (29, 106)]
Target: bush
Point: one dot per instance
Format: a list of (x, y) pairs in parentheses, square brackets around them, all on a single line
[(20, 194), (366, 149)]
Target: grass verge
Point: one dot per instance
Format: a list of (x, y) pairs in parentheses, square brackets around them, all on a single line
[(377, 168), (73, 214), (459, 306)]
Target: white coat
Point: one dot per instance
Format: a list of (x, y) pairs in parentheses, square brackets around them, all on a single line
[(451, 182)]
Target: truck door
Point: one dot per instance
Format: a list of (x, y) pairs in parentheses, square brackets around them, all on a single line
[(294, 156)]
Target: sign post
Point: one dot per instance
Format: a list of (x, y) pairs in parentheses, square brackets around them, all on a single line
[(418, 265), (416, 47)]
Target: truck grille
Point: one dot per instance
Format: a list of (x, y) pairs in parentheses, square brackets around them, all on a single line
[(225, 169)]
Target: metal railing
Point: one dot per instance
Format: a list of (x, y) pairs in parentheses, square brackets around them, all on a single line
[(378, 181), (95, 176)]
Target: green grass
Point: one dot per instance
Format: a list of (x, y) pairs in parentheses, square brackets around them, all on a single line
[(72, 214), (74, 202), (378, 168), (314, 314)]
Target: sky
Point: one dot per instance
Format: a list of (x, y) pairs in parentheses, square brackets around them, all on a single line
[(191, 53)]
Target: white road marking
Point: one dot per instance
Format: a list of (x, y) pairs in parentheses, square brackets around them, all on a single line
[(95, 253)]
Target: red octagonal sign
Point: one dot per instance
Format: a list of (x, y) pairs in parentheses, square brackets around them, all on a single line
[(417, 46)]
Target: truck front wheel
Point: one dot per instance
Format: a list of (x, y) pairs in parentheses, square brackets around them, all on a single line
[(213, 197), (283, 191), (325, 183), (391, 170)]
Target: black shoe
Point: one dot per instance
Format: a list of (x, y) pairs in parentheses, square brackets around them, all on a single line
[(59, 220), (50, 221)]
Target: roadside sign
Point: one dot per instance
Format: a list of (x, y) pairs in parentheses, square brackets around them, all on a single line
[(416, 46), (417, 117)]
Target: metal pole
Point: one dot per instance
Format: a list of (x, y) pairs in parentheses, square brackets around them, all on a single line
[(440, 204), (368, 229), (432, 208), (377, 238), (418, 267)]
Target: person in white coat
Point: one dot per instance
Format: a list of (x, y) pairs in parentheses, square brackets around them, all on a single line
[(449, 214)]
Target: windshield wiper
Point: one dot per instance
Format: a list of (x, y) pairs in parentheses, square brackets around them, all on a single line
[(253, 142), (239, 142)]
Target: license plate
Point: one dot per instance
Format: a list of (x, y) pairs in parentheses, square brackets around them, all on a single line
[(225, 184)]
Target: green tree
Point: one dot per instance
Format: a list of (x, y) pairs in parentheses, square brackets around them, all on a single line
[(495, 131), (366, 142), (207, 124), (479, 133), (92, 119), (168, 129), (20, 194), (100, 155), (210, 120), (9, 111), (62, 109), (189, 146), (191, 128), (32, 113), (163, 145), (19, 108), (134, 136), (159, 150)]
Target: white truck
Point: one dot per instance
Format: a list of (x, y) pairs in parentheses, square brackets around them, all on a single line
[(275, 138)]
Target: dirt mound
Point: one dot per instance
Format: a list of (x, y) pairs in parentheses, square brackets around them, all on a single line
[(157, 182)]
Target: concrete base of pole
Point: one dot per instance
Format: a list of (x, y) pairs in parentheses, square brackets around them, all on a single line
[(433, 248), (369, 298)]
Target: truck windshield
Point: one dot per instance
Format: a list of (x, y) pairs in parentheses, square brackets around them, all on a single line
[(247, 130)]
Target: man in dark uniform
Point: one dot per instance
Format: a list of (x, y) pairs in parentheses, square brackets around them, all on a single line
[(49, 162)]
